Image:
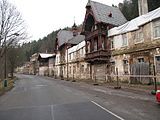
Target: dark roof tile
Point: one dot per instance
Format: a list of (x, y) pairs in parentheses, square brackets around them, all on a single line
[(102, 11)]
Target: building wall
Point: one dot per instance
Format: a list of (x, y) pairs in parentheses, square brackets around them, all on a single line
[(74, 62), (57, 65), (137, 51), (51, 66), (43, 70)]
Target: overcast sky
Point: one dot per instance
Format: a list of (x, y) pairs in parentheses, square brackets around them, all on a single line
[(44, 16)]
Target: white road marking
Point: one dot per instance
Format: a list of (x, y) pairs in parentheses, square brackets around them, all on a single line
[(52, 115), (99, 90), (107, 110), (41, 85)]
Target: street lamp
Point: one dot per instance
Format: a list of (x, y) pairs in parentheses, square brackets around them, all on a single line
[(5, 55)]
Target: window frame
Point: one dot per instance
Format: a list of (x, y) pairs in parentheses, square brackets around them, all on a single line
[(155, 26), (138, 38), (124, 45), (112, 43)]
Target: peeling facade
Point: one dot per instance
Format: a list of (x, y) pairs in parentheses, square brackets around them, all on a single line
[(136, 52), (78, 68)]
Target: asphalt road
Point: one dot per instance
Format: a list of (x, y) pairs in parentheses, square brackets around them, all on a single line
[(43, 98)]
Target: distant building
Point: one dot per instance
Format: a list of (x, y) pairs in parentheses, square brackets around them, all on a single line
[(33, 70), (65, 40), (45, 64)]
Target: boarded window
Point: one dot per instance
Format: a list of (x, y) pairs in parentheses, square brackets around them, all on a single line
[(156, 29)]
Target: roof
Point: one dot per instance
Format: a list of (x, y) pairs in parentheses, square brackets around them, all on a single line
[(135, 23), (76, 47), (102, 11), (64, 36), (45, 55), (77, 39)]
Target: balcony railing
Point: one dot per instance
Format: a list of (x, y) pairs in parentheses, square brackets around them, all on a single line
[(100, 55), (94, 33)]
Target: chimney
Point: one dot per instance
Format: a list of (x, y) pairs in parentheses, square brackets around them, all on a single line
[(143, 7)]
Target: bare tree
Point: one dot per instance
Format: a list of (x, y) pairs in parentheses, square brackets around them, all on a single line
[(12, 27)]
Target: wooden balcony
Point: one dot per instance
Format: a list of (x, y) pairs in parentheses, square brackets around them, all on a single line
[(94, 33), (98, 56)]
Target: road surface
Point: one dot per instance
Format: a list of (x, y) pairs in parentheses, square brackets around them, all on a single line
[(43, 98)]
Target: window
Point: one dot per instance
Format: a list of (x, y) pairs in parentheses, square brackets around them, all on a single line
[(113, 67), (112, 43), (74, 69), (64, 70), (82, 68), (70, 69), (88, 68), (103, 42), (158, 58), (140, 60), (70, 56), (139, 36), (124, 40), (89, 45), (125, 66), (95, 44), (157, 63), (156, 29)]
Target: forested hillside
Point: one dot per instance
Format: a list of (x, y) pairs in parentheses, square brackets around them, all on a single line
[(129, 8), (42, 45)]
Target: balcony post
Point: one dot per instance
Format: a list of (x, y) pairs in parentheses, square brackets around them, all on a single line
[(99, 42), (86, 46), (92, 45)]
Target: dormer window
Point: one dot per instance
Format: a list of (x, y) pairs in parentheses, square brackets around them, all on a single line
[(110, 14)]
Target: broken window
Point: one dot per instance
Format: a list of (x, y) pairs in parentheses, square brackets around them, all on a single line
[(139, 35), (82, 68), (124, 40), (140, 60), (156, 29)]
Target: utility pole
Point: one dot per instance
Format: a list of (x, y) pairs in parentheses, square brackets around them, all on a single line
[(5, 55), (5, 59)]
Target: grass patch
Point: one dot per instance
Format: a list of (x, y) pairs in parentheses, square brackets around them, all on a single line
[(10, 85)]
